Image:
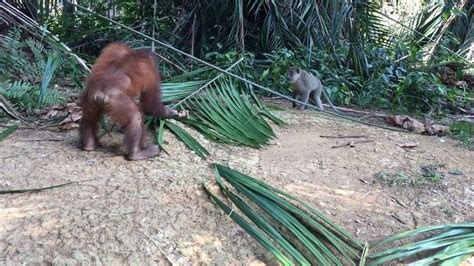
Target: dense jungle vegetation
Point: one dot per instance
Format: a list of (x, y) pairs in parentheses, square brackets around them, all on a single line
[(403, 57), (392, 57)]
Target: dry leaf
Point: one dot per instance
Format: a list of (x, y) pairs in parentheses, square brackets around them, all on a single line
[(396, 120), (406, 122), (438, 130), (49, 114), (69, 126), (414, 125)]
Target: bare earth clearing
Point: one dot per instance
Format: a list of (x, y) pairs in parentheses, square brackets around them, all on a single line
[(108, 220)]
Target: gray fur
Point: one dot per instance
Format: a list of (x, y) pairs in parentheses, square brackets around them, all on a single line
[(307, 86)]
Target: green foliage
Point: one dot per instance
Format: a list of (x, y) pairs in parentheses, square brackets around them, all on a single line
[(173, 91), (274, 68), (26, 96), (48, 73), (22, 59), (427, 175), (464, 131), (222, 111), (448, 244), (346, 44), (308, 235), (7, 132), (245, 69), (418, 91), (188, 140), (29, 73), (295, 233), (222, 114)]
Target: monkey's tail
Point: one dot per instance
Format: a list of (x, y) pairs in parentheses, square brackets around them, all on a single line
[(330, 103)]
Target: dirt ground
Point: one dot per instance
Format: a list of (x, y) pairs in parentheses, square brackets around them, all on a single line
[(154, 212)]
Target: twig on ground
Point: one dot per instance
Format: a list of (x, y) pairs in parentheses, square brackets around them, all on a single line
[(398, 202), (398, 219), (34, 140), (9, 157), (7, 107), (343, 137), (13, 191), (351, 143), (162, 251), (345, 109)]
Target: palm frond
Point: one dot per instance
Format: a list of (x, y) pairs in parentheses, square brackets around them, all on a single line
[(367, 27), (188, 140), (222, 114), (310, 236), (172, 91), (7, 132), (452, 243), (49, 69), (305, 236), (250, 229)]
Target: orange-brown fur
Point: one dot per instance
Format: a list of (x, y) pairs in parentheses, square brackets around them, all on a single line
[(120, 74)]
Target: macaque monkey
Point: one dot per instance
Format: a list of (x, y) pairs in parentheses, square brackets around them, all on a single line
[(305, 85), (120, 74)]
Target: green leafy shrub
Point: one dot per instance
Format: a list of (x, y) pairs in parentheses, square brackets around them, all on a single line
[(27, 96), (464, 132), (29, 70)]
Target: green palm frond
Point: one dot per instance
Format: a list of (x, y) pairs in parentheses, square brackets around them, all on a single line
[(285, 225), (222, 113), (367, 27), (452, 243), (426, 23), (7, 132), (308, 237), (188, 140), (179, 90), (250, 229), (48, 72)]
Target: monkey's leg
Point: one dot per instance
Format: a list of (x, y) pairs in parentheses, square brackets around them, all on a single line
[(305, 99), (89, 126), (123, 110), (295, 96), (317, 99)]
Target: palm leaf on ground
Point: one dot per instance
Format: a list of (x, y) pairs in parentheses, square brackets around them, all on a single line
[(221, 113), (7, 132), (452, 243), (295, 233), (308, 235)]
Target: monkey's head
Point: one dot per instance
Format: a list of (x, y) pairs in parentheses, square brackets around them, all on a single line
[(293, 74)]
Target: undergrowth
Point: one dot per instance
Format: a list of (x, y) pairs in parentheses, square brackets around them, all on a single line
[(464, 132), (32, 75), (429, 174)]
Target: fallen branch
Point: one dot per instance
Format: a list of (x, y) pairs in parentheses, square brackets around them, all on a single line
[(38, 140), (345, 109), (343, 137), (7, 107), (14, 191), (351, 143), (158, 246)]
